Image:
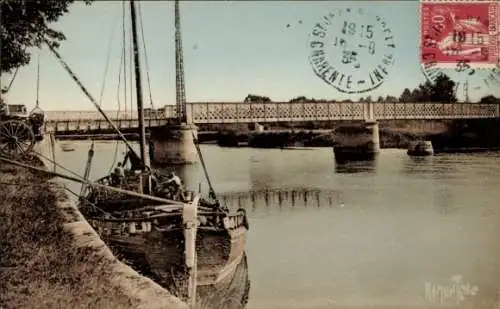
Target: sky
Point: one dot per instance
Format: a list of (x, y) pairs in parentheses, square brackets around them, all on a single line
[(231, 49)]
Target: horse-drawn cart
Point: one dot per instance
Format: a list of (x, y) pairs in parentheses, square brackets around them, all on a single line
[(19, 130)]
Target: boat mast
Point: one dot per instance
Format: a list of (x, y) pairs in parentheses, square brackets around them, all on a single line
[(138, 89), (179, 69)]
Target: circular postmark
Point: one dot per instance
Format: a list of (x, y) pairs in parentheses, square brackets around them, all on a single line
[(351, 50)]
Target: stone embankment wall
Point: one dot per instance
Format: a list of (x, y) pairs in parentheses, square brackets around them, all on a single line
[(149, 294)]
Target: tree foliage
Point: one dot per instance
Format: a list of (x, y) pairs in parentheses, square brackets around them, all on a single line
[(25, 24), (253, 98), (442, 90), (490, 99), (303, 99), (405, 96)]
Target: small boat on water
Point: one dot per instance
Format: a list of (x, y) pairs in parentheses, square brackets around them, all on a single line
[(66, 147), (420, 149)]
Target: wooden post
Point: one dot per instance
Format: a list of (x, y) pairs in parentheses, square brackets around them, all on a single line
[(190, 220), (53, 146)]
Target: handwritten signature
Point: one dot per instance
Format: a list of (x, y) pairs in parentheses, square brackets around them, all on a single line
[(455, 291)]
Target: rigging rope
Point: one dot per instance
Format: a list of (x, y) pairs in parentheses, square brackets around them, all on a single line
[(119, 108), (170, 202), (11, 81), (89, 96), (132, 73), (57, 164), (124, 51), (91, 204), (122, 60), (108, 56), (38, 80), (141, 25)]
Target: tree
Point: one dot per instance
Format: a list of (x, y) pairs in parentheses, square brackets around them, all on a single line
[(425, 92), (405, 96), (489, 100), (253, 98), (391, 99), (443, 90), (25, 24), (380, 99), (298, 99), (415, 95)]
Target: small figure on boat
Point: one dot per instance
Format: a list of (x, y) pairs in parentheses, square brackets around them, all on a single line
[(173, 186), (118, 175)]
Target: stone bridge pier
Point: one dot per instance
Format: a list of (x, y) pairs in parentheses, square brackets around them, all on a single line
[(358, 142), (174, 144)]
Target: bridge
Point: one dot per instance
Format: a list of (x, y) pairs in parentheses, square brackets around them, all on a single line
[(239, 112)]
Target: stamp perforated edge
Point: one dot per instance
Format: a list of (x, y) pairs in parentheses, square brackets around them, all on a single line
[(448, 65)]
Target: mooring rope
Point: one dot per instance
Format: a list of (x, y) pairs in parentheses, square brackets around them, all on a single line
[(57, 164), (174, 204)]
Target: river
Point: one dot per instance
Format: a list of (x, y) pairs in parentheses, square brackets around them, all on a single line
[(401, 233)]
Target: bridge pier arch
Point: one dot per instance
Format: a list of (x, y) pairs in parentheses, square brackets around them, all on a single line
[(173, 144)]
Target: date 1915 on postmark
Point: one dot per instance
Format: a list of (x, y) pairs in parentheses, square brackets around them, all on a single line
[(351, 50), (453, 32)]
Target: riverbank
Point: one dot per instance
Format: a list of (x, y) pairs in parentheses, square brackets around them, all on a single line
[(300, 138), (473, 135), (51, 258)]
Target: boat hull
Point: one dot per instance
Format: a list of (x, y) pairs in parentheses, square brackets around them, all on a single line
[(420, 149), (160, 255)]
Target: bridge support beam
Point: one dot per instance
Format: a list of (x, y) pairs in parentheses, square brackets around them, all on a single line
[(174, 144), (357, 142)]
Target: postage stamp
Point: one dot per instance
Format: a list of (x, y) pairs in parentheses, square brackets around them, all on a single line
[(351, 50), (456, 32)]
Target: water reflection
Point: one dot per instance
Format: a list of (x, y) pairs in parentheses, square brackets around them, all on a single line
[(350, 167), (284, 197), (444, 200), (231, 293), (433, 166)]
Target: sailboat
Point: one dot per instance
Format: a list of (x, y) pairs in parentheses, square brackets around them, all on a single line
[(148, 229)]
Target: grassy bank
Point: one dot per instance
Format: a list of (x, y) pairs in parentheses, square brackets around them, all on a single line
[(39, 265)]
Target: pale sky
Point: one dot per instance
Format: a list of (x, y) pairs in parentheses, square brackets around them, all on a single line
[(231, 49)]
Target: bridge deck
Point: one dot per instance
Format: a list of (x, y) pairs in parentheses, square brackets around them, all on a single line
[(220, 113)]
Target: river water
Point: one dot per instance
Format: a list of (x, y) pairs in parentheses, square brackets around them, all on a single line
[(401, 233)]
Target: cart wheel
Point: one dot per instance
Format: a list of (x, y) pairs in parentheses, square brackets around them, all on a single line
[(16, 138)]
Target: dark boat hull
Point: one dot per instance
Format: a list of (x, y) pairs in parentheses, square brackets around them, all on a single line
[(160, 255), (420, 149)]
